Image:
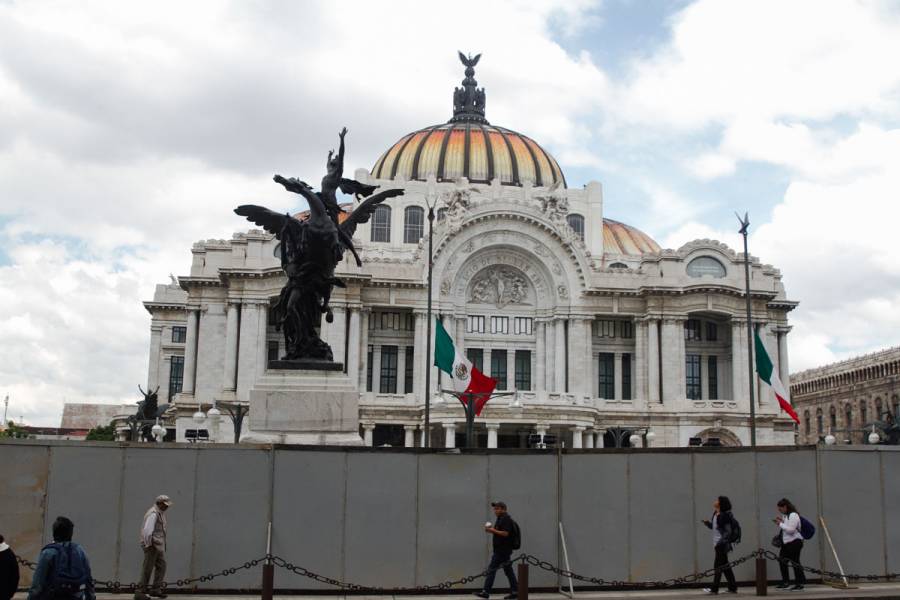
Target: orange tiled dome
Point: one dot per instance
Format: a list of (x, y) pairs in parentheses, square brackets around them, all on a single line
[(619, 238)]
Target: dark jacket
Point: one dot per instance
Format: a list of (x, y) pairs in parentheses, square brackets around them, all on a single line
[(724, 525), (503, 544), (45, 569), (9, 574)]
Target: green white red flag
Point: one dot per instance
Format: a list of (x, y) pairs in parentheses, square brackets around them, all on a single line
[(464, 377), (766, 371)]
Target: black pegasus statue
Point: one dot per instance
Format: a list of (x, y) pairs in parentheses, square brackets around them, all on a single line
[(310, 249)]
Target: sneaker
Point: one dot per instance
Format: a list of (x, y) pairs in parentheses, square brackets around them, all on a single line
[(141, 596), (510, 597), (782, 586), (709, 591), (157, 594), (796, 588), (734, 591), (482, 594)]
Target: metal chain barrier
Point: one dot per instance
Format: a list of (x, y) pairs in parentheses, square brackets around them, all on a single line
[(832, 574)]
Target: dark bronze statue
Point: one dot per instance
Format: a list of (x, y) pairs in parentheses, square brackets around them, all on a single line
[(310, 249), (148, 411)]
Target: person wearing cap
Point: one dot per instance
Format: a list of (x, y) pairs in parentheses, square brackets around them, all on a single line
[(502, 532), (153, 541)]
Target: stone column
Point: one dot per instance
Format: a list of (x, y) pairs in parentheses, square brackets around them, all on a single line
[(368, 430), (577, 435), (248, 354), (262, 349), (492, 429), (376, 369), (510, 369), (449, 435), (231, 345), (401, 369), (560, 354), (337, 334), (540, 382), (419, 355), (155, 356), (409, 436), (617, 375), (588, 441), (673, 360), (364, 349), (639, 362), (550, 355), (190, 351), (459, 341), (739, 364), (704, 377), (353, 345), (784, 372), (653, 375)]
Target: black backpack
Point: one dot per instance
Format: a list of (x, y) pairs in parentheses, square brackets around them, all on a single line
[(69, 575), (735, 531), (515, 535)]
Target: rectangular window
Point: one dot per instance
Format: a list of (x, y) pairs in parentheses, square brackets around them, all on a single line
[(408, 374), (369, 367), (606, 328), (386, 320), (475, 324), (626, 377), (712, 332), (176, 376), (524, 325), (607, 376), (272, 350), (523, 370), (476, 356), (692, 376), (388, 377), (409, 322), (712, 373), (498, 368), (692, 330), (499, 324), (179, 335), (626, 329)]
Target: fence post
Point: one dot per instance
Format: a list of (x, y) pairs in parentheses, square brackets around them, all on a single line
[(762, 577), (523, 581), (268, 571)]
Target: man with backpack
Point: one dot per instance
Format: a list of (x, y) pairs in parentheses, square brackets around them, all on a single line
[(63, 571), (506, 538), (725, 531)]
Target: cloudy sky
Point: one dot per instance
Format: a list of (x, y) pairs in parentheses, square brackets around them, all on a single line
[(130, 130)]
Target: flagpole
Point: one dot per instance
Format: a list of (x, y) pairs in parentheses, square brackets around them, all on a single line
[(745, 225), (426, 442)]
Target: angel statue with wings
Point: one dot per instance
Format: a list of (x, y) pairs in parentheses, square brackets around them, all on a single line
[(310, 250)]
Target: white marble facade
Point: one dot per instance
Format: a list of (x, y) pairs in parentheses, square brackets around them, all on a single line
[(595, 330)]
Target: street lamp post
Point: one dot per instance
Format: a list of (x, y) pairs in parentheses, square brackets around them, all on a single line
[(427, 437), (745, 226), (469, 400), (236, 412)]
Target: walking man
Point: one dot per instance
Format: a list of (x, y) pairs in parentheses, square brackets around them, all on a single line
[(63, 571), (153, 541), (506, 538), (9, 571)]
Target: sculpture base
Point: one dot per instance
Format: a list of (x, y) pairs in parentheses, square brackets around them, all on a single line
[(305, 364), (310, 406)]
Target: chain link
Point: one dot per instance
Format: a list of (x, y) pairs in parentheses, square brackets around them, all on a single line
[(832, 574)]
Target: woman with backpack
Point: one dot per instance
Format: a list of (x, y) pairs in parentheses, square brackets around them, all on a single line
[(725, 532), (791, 538)]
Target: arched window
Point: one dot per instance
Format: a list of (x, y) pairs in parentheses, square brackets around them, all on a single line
[(863, 412), (878, 414), (618, 265), (381, 224), (705, 265), (833, 416), (413, 224), (848, 416), (820, 426), (576, 222), (441, 213), (806, 422)]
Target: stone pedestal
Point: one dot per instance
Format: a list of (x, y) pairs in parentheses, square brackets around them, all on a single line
[(313, 407)]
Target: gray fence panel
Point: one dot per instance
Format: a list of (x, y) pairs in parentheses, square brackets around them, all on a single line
[(732, 475), (380, 535), (84, 486), (595, 514), (790, 474), (453, 508), (24, 471), (148, 473), (232, 512), (308, 515), (850, 481), (890, 466), (528, 485), (663, 529)]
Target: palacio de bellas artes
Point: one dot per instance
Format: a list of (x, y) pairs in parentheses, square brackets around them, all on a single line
[(601, 334)]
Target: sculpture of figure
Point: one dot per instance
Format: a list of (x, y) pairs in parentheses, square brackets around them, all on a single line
[(310, 251), (148, 411)]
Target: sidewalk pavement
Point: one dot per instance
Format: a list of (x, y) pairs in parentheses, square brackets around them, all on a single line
[(814, 592)]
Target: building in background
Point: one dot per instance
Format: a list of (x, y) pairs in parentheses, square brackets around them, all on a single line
[(847, 398), (598, 329)]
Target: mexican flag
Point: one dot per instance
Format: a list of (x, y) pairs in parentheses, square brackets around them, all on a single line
[(766, 372), (463, 376)]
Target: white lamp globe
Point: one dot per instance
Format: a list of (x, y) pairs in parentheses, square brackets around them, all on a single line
[(874, 438), (199, 417), (830, 440), (650, 436), (158, 431), (634, 440), (214, 414)]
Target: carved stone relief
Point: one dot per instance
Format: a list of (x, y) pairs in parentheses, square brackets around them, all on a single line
[(499, 286)]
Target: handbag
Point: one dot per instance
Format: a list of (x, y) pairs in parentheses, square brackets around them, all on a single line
[(777, 541)]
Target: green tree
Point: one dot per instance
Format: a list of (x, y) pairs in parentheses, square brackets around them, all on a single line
[(102, 433), (14, 431)]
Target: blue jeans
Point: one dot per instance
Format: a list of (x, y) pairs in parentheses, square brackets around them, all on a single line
[(499, 558)]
